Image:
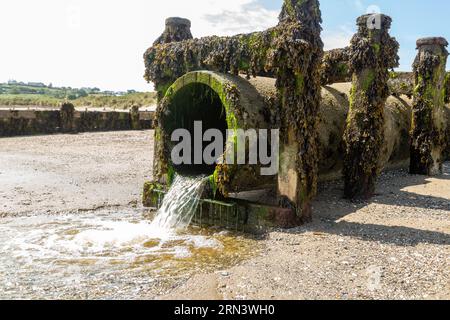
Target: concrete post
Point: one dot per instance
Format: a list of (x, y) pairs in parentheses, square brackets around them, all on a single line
[(299, 54), (135, 118), (67, 112), (177, 29), (429, 118), (372, 53)]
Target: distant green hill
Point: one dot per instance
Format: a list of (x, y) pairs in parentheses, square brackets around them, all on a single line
[(38, 94)]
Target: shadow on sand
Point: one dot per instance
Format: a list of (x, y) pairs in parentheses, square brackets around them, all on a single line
[(330, 209)]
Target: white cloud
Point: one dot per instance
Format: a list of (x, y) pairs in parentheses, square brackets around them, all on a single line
[(248, 17), (358, 5), (338, 38), (101, 43)]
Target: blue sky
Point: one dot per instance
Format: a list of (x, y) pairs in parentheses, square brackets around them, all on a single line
[(413, 19), (100, 43)]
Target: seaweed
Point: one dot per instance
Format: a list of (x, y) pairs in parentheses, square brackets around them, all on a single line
[(429, 119), (372, 53), (335, 66)]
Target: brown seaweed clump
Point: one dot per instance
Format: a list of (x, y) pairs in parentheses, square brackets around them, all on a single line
[(429, 118), (335, 67), (242, 53), (401, 83), (372, 53)]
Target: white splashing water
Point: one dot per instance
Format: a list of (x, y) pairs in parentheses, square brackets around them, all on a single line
[(68, 247), (180, 203)]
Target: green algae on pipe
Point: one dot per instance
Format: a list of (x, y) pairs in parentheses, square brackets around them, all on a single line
[(372, 53), (220, 101), (429, 120)]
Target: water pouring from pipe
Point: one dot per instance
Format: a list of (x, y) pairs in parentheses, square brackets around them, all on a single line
[(180, 203)]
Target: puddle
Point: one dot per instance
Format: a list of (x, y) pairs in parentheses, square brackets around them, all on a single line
[(107, 255)]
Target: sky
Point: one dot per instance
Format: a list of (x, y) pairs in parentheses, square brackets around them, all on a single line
[(100, 43)]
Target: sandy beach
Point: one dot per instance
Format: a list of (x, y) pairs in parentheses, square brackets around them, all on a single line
[(397, 246)]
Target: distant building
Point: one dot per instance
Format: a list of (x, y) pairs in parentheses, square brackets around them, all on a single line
[(37, 84)]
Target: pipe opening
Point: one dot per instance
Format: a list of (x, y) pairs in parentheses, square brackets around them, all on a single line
[(194, 102)]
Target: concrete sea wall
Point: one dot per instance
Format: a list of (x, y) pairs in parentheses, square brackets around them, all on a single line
[(21, 122)]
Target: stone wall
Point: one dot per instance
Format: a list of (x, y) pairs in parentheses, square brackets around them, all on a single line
[(23, 122)]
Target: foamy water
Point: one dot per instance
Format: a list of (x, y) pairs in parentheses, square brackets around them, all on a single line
[(117, 253), (89, 236), (95, 254)]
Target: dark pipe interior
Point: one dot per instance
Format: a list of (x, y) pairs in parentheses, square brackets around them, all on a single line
[(195, 102)]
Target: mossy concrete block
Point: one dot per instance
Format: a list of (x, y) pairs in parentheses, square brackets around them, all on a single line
[(152, 194), (233, 214), (177, 29), (28, 122), (261, 217), (68, 120)]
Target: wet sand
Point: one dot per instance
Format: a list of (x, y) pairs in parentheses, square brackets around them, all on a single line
[(61, 173), (397, 246)]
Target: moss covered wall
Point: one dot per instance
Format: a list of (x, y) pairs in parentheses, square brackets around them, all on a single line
[(67, 120), (28, 122)]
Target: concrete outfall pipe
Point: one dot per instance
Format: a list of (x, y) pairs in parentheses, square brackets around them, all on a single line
[(237, 103)]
